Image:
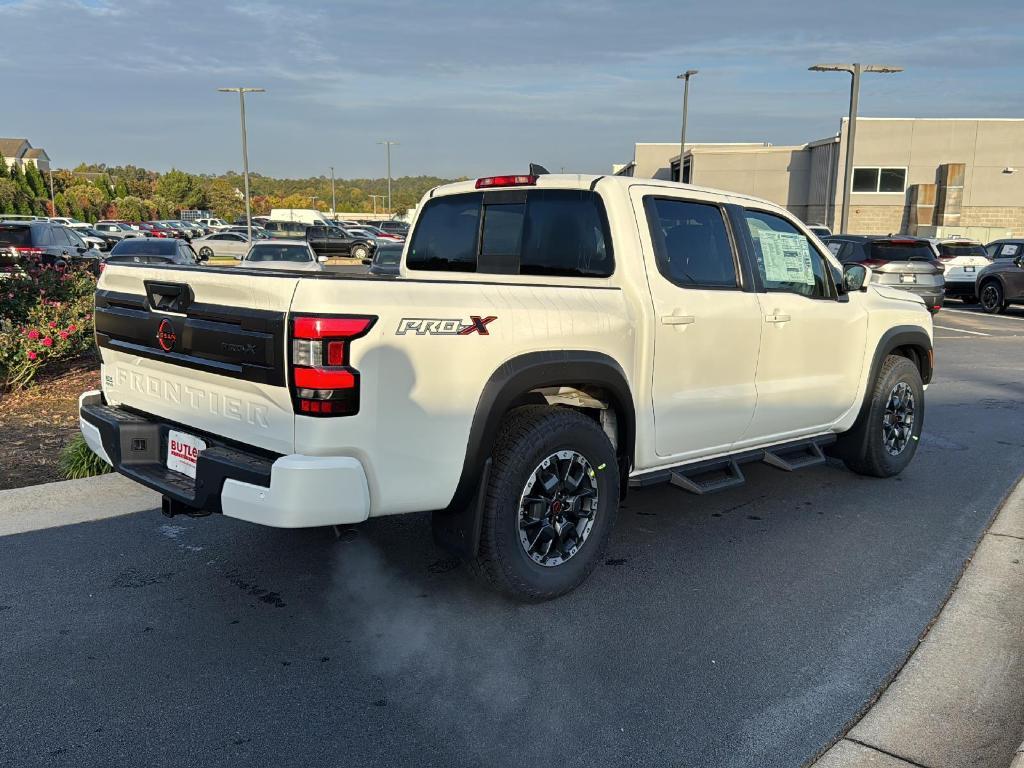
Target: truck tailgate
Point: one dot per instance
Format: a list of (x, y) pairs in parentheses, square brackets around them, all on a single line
[(205, 348)]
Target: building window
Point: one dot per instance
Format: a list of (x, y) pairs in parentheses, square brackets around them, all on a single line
[(889, 180)]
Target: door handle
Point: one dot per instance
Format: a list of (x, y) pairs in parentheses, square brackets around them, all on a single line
[(677, 319), (777, 318)]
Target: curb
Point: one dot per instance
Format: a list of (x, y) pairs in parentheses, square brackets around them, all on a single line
[(957, 700), (51, 505)]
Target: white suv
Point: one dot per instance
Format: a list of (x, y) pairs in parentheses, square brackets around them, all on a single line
[(962, 260)]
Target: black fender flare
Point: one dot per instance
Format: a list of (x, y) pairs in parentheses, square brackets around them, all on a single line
[(896, 337), (457, 527)]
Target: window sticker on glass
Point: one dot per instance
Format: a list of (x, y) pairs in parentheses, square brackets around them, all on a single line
[(1009, 250), (787, 257)]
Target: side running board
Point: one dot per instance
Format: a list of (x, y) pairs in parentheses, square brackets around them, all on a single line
[(703, 480), (723, 473), (796, 457)]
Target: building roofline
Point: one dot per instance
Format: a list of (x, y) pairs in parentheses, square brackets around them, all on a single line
[(845, 118)]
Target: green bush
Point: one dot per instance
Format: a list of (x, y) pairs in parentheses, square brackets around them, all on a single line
[(77, 460)]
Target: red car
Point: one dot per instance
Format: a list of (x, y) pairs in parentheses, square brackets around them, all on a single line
[(145, 228), (166, 230)]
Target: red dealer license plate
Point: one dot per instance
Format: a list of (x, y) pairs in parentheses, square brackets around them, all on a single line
[(183, 452)]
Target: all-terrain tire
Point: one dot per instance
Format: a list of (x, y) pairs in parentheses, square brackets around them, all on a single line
[(868, 448), (528, 437)]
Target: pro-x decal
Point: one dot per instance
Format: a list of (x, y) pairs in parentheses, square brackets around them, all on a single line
[(436, 326)]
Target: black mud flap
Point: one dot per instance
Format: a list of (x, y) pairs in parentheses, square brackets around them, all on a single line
[(458, 531)]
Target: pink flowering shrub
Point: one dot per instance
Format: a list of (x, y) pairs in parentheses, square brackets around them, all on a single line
[(45, 316)]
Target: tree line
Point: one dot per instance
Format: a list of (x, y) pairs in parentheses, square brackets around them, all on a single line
[(96, 191)]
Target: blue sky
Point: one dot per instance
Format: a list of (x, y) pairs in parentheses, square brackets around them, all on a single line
[(482, 87)]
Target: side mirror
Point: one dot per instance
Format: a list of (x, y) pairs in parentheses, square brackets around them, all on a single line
[(322, 259), (855, 277), (1019, 261)]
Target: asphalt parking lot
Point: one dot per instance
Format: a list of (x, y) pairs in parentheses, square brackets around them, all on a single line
[(741, 629)]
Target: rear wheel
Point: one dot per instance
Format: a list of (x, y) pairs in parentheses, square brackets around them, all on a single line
[(551, 502), (991, 297), (884, 440)]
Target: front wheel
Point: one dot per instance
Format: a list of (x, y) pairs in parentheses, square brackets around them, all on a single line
[(884, 440), (992, 300), (360, 252), (551, 502), (206, 251)]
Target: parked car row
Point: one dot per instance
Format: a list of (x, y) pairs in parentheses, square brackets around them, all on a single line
[(940, 268)]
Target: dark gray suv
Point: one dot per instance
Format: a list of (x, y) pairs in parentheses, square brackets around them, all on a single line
[(898, 261)]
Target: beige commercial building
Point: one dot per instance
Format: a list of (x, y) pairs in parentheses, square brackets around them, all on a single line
[(915, 175)]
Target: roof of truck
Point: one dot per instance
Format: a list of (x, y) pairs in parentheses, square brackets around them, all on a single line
[(590, 181)]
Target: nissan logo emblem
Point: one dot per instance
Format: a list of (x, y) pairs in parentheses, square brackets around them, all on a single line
[(165, 336)]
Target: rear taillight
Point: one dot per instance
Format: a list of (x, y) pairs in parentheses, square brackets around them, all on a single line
[(873, 263), (323, 382), (28, 250), (103, 265)]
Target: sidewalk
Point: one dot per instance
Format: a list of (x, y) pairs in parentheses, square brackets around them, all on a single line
[(959, 700), (72, 501)]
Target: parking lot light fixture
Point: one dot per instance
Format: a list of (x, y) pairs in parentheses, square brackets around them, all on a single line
[(685, 77), (855, 71), (389, 144), (334, 199), (245, 150)]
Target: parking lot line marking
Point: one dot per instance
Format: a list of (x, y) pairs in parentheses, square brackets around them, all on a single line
[(961, 330), (984, 316)]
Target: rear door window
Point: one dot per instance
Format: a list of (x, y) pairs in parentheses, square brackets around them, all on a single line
[(551, 232), (691, 243)]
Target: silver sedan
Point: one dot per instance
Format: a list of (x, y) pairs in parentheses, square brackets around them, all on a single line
[(222, 244), (283, 254)]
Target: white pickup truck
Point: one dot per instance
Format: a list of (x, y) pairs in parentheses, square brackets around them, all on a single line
[(550, 341)]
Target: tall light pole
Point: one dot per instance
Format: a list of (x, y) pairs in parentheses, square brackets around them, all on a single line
[(374, 198), (855, 71), (53, 201), (685, 77), (245, 150), (389, 144), (334, 199)]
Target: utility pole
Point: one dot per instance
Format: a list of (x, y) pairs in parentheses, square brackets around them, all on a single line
[(685, 77), (245, 150), (53, 202), (374, 198), (855, 71), (334, 199), (389, 144)]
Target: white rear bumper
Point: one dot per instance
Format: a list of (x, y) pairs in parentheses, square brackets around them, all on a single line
[(304, 492)]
